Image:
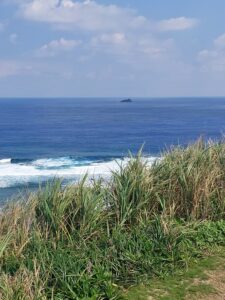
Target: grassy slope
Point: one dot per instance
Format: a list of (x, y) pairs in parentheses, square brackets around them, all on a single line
[(94, 242), (204, 279)]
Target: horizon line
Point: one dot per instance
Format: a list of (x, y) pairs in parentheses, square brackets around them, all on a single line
[(107, 97)]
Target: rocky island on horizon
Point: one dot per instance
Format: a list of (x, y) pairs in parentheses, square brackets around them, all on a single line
[(126, 100)]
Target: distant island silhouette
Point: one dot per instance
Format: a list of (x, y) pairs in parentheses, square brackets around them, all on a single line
[(126, 101)]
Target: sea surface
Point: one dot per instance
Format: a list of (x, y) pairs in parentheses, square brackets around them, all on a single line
[(41, 139)]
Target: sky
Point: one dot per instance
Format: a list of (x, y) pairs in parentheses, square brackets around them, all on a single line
[(112, 48)]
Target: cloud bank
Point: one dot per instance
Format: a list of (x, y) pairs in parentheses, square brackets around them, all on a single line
[(97, 46), (92, 16)]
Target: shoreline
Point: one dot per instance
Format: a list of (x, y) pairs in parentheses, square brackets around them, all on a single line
[(100, 240)]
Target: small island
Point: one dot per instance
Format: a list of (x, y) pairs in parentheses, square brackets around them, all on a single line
[(126, 101)]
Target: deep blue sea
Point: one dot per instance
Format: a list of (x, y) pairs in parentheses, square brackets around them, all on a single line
[(45, 138)]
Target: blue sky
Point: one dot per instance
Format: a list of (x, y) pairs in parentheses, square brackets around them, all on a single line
[(54, 48)]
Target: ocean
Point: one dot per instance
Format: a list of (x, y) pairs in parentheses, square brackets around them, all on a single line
[(41, 139)]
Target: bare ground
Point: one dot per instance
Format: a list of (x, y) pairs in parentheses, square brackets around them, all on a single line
[(216, 279)]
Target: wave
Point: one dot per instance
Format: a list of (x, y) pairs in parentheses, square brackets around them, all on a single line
[(23, 172), (63, 162), (5, 161)]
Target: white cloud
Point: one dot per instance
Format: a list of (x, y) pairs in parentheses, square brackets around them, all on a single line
[(213, 59), (92, 16), (117, 38), (177, 24), (86, 14), (117, 31), (117, 43), (141, 52), (56, 46)]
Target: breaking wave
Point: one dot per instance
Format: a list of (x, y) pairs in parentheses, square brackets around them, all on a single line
[(20, 172)]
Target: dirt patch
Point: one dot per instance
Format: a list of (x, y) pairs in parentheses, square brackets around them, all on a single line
[(216, 279)]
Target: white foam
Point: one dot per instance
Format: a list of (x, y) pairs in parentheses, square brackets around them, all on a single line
[(5, 161), (54, 162), (20, 174)]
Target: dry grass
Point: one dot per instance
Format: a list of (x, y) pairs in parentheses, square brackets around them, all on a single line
[(90, 242)]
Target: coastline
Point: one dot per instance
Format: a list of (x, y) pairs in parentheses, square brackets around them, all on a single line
[(23, 175), (141, 224)]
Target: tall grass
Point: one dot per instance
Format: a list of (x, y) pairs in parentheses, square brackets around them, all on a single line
[(129, 192), (92, 241), (190, 183)]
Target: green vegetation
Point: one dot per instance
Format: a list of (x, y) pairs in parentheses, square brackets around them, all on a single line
[(203, 280), (96, 241)]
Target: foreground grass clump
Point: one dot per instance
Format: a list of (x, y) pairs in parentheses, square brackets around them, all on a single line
[(95, 241)]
